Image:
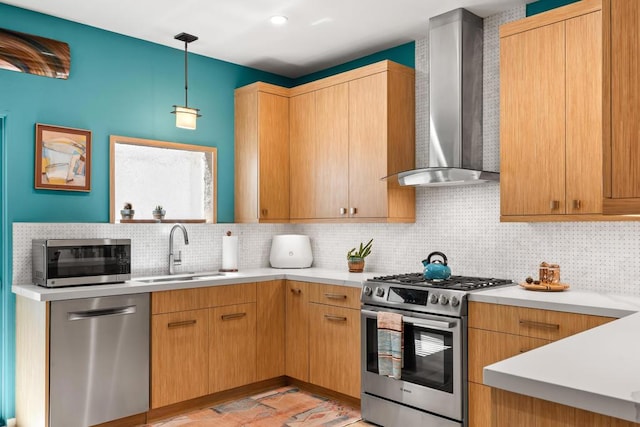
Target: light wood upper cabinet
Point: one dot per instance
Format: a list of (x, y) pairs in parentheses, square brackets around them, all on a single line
[(551, 116), (345, 133), (622, 155), (261, 154), (320, 153)]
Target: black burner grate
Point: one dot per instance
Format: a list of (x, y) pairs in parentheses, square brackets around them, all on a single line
[(454, 282)]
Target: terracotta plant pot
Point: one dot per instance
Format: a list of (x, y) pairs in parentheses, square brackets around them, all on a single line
[(356, 264)]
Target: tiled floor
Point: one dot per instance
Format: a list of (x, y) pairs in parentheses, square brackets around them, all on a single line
[(281, 407)]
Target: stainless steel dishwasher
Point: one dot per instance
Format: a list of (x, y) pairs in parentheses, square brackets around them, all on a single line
[(98, 360)]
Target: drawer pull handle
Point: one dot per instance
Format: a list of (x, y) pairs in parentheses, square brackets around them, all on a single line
[(577, 204), (296, 291), (180, 324), (554, 204), (233, 316), (336, 318), (539, 324), (335, 296)]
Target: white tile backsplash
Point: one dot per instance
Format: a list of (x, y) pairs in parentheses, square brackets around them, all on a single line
[(462, 222)]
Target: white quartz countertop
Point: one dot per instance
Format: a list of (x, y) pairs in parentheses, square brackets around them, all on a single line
[(331, 277), (597, 370), (571, 301)]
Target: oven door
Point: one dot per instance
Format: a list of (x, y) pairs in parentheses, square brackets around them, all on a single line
[(433, 365)]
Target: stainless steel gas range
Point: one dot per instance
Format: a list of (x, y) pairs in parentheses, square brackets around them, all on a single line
[(432, 389)]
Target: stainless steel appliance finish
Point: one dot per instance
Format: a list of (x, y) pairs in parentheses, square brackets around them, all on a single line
[(99, 359), (432, 390), (455, 103), (74, 262)]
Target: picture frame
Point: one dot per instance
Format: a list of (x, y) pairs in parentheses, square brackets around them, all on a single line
[(63, 158)]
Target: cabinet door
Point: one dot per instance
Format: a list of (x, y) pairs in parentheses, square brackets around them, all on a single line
[(368, 146), (273, 165), (625, 102), (487, 347), (270, 330), (297, 330), (232, 347), (332, 152), (334, 348), (532, 122), (179, 357), (303, 137), (246, 156), (584, 114)]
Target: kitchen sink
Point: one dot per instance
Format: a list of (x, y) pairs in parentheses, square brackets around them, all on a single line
[(181, 278)]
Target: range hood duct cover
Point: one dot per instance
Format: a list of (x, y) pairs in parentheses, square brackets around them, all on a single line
[(455, 103)]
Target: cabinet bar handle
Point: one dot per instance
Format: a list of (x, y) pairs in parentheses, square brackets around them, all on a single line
[(577, 204), (180, 324), (336, 318), (335, 296), (264, 212), (343, 211), (296, 291), (353, 211), (233, 316), (554, 204), (539, 324)]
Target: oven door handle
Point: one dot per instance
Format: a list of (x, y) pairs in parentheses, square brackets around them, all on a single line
[(415, 321)]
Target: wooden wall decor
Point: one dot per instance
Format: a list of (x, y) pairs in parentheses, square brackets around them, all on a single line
[(31, 54)]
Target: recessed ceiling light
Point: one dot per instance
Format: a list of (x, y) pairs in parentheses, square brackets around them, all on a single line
[(279, 20)]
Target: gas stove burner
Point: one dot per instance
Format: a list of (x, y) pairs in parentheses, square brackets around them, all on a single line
[(454, 282)]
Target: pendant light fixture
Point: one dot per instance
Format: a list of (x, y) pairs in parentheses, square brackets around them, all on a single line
[(186, 116)]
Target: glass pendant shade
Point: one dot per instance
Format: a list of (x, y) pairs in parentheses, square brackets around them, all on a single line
[(186, 117)]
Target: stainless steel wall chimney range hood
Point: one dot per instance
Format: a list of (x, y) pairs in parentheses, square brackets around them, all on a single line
[(455, 104)]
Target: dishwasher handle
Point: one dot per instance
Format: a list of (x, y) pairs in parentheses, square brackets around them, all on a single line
[(102, 312)]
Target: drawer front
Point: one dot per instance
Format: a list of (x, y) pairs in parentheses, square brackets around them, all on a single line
[(178, 300), (335, 295), (219, 296), (487, 347), (531, 322)]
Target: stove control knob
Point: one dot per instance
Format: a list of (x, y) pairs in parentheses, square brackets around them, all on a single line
[(444, 300), (433, 299), (455, 301), (367, 291), (379, 292)]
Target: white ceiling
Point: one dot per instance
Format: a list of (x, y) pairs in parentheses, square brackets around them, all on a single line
[(318, 35)]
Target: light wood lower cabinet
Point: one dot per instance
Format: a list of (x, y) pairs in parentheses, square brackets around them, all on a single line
[(270, 328), (232, 346), (209, 340), (179, 356), (297, 330), (497, 332), (334, 348)]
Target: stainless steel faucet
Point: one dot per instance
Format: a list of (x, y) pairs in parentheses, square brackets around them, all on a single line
[(173, 260)]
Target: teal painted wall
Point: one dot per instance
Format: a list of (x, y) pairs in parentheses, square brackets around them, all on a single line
[(404, 54), (544, 5), (117, 85)]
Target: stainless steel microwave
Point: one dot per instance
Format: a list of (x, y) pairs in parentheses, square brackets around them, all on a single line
[(75, 262)]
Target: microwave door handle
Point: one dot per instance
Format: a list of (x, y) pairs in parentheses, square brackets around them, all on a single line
[(424, 323)]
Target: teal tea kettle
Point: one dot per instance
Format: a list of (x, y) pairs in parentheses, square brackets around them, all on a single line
[(436, 269)]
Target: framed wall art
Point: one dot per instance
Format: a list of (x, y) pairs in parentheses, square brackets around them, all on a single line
[(63, 158)]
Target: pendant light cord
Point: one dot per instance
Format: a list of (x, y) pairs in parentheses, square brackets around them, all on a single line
[(186, 71)]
